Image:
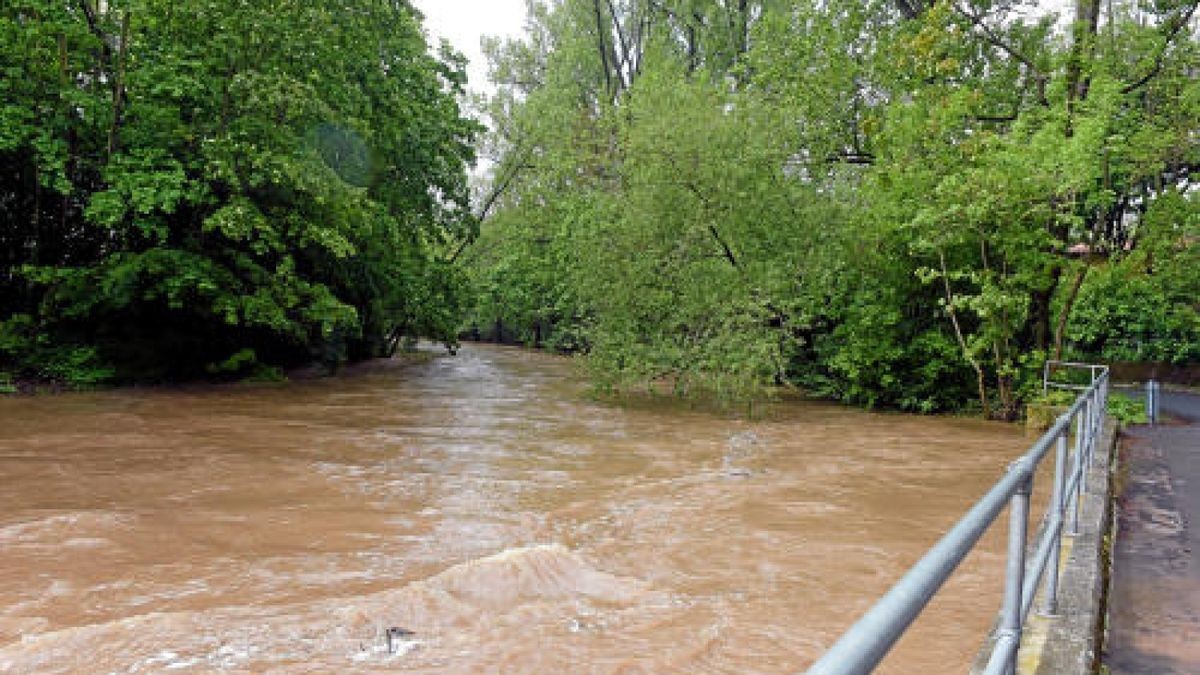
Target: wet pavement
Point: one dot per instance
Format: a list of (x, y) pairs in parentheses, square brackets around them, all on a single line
[(1154, 607)]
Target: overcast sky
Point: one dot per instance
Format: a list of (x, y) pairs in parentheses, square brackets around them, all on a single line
[(464, 22)]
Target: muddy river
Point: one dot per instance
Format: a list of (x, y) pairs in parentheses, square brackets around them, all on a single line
[(487, 510)]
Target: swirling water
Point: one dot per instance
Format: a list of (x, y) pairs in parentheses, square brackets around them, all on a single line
[(489, 508)]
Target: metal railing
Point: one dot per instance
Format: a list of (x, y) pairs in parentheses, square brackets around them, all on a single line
[(865, 644), (1153, 393), (1052, 366)]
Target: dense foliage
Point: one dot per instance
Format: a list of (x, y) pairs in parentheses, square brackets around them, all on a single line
[(190, 187), (893, 202)]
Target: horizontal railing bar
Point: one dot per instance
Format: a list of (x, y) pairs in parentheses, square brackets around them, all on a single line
[(1076, 364), (866, 643)]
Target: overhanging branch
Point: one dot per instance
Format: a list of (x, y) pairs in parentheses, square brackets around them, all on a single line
[(992, 38), (1173, 28)]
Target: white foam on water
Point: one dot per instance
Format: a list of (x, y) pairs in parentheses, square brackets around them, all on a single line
[(545, 584)]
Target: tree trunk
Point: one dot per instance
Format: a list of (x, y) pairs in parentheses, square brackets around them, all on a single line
[(1083, 45), (743, 29), (1007, 410), (35, 242), (1040, 311), (1061, 329), (602, 47), (981, 381), (118, 87)]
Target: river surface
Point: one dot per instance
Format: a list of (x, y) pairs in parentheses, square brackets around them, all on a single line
[(484, 503)]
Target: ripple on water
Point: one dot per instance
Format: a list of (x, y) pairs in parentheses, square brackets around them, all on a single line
[(288, 528)]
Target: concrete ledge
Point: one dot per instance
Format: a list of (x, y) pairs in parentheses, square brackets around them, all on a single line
[(1068, 643)]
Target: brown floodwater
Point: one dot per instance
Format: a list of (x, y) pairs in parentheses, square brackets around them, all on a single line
[(484, 503)]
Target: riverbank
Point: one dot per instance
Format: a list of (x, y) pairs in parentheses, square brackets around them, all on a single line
[(41, 387)]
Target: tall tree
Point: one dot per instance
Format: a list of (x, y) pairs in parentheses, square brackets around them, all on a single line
[(191, 185), (934, 179)]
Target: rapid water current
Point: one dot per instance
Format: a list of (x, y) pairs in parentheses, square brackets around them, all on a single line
[(487, 508)]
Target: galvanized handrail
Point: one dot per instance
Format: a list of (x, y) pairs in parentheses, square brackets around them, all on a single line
[(1153, 394), (864, 645), (1052, 365)]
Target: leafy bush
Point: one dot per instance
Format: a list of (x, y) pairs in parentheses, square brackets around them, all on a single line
[(31, 353), (1127, 410), (1123, 315), (1145, 305)]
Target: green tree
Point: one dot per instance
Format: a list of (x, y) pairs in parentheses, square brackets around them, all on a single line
[(194, 187), (892, 202)]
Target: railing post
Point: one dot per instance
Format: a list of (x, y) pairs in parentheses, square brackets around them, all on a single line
[(1152, 401), (1008, 636), (866, 643), (1097, 419), (1077, 476), (1104, 393), (1085, 457), (1050, 604)]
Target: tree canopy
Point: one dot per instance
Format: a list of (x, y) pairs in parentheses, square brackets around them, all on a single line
[(192, 187), (893, 202)]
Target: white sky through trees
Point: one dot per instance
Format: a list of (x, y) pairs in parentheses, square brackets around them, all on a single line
[(464, 22)]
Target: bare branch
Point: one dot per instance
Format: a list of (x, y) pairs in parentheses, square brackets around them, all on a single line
[(624, 58), (906, 8), (603, 48), (962, 341), (851, 158), (493, 197), (992, 38), (93, 22), (1173, 28)]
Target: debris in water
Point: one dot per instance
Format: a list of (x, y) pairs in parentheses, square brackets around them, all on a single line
[(396, 638), (741, 446), (581, 624)]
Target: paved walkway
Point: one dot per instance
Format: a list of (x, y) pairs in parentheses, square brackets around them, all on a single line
[(1154, 609)]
